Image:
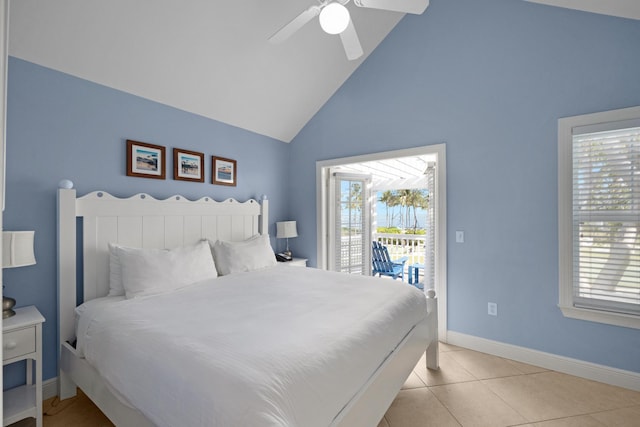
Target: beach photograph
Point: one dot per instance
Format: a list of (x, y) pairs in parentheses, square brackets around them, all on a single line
[(224, 171), (145, 160)]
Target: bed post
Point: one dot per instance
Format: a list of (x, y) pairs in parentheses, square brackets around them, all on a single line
[(264, 215), (432, 352), (66, 281)]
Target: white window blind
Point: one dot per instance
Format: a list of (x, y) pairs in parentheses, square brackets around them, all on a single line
[(606, 219), (430, 244)]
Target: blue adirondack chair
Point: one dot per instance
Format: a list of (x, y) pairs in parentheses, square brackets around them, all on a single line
[(384, 266)]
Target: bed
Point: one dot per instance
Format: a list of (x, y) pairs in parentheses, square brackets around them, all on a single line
[(269, 346)]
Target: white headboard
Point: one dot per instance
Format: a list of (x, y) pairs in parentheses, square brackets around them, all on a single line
[(138, 221)]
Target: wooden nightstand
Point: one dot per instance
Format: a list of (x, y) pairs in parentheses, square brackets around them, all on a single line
[(297, 262), (22, 340)]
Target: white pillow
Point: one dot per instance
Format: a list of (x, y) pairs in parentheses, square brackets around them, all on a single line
[(252, 254), (116, 288), (220, 255), (155, 271)]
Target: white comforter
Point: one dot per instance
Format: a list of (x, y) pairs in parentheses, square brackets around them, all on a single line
[(285, 346)]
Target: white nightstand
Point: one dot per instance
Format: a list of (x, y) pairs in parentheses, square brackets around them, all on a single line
[(296, 262), (22, 340)]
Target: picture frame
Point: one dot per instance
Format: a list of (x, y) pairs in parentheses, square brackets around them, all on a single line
[(145, 160), (188, 165), (223, 171)]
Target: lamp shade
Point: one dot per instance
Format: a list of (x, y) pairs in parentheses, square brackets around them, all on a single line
[(17, 249), (334, 18), (286, 229)]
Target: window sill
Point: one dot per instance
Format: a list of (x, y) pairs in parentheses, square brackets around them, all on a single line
[(625, 320)]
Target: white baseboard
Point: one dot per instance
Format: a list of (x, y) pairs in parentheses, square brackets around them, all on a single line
[(579, 368), (49, 388)]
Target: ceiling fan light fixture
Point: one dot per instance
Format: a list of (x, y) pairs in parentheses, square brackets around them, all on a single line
[(334, 18)]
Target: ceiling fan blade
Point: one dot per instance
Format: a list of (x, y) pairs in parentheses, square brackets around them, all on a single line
[(351, 43), (404, 6), (298, 22)]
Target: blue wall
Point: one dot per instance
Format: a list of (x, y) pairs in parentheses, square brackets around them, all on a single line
[(60, 127), (490, 79)]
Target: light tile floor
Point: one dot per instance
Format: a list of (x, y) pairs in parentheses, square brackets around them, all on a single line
[(477, 389), (470, 389)]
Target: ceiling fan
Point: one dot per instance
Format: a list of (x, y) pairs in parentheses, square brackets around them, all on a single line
[(335, 19)]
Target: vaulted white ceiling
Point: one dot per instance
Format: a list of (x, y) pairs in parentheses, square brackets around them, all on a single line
[(620, 8), (211, 58), (207, 57)]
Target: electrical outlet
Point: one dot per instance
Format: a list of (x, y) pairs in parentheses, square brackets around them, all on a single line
[(492, 309)]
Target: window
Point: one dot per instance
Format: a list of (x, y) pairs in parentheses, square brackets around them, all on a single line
[(599, 216)]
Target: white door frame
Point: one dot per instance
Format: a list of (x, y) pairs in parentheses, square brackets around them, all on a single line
[(322, 236)]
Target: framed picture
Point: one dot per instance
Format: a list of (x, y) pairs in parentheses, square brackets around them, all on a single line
[(145, 160), (223, 171), (188, 165)]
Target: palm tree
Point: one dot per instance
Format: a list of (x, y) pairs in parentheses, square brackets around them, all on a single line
[(404, 197), (395, 201), (355, 199), (407, 200), (388, 199), (417, 199)]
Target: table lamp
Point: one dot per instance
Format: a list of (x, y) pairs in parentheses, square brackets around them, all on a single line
[(285, 230), (17, 251)]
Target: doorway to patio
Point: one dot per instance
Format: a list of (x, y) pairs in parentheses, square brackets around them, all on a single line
[(395, 198)]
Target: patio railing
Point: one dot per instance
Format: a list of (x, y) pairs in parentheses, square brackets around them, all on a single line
[(400, 245)]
